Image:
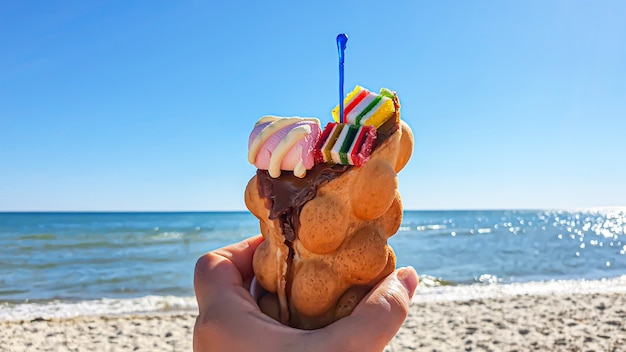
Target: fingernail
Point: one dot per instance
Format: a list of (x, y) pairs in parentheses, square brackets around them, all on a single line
[(408, 278)]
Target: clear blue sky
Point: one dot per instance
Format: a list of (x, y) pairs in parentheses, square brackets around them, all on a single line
[(148, 105)]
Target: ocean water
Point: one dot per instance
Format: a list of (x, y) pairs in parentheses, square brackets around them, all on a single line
[(66, 264)]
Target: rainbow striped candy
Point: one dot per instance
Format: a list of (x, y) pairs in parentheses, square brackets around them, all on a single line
[(364, 108), (345, 144)]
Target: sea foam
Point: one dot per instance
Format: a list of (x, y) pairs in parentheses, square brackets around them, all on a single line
[(176, 305), (100, 307), (534, 288)]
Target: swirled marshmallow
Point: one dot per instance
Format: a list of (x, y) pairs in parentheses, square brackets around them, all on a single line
[(284, 144)]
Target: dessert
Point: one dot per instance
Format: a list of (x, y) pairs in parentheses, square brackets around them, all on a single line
[(327, 202)]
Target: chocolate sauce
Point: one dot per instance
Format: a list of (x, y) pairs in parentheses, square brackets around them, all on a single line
[(286, 195)]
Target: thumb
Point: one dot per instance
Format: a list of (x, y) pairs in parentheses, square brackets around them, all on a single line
[(379, 316)]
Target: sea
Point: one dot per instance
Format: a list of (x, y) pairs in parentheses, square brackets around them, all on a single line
[(110, 263)]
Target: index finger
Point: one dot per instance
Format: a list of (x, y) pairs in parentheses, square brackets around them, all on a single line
[(225, 266), (241, 254)]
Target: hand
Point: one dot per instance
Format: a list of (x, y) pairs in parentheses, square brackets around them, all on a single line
[(230, 320)]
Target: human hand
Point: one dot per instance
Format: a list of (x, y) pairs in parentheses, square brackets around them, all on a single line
[(229, 319)]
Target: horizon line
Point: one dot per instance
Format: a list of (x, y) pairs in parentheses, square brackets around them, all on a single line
[(247, 211)]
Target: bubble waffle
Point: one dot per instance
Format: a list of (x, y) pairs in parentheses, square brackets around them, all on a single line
[(326, 233)]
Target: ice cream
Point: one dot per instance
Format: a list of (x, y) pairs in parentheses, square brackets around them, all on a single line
[(326, 231)]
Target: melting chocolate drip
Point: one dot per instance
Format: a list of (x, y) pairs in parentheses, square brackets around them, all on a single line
[(287, 194)]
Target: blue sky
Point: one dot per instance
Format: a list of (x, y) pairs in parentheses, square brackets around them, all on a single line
[(148, 105)]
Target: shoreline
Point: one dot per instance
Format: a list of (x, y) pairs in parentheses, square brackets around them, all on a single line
[(426, 292), (546, 322)]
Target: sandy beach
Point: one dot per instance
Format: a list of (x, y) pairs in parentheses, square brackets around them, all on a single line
[(578, 322)]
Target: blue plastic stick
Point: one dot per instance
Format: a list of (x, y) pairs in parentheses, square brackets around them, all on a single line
[(342, 39)]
